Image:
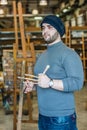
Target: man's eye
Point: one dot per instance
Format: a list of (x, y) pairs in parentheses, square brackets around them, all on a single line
[(42, 28), (50, 27)]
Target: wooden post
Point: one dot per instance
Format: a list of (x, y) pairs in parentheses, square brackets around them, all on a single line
[(15, 88), (83, 56)]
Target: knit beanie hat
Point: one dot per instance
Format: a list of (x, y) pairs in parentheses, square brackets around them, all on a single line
[(55, 22)]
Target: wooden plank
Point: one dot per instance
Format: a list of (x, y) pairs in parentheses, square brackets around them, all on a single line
[(15, 23), (78, 28), (28, 29), (27, 59), (22, 29)]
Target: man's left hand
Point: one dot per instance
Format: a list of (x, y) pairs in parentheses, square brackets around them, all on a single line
[(43, 80)]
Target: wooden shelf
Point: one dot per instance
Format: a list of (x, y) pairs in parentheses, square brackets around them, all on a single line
[(78, 28)]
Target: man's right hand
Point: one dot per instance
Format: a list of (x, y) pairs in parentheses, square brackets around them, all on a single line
[(28, 86)]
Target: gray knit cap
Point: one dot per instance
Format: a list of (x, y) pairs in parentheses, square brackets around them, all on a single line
[(55, 22)]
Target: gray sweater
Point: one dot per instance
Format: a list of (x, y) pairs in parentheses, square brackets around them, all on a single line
[(65, 64)]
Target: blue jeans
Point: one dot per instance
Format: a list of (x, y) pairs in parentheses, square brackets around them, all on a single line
[(57, 123)]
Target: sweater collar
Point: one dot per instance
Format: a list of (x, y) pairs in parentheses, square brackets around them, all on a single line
[(54, 45)]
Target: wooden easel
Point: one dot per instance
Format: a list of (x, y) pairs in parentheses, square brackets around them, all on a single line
[(25, 45)]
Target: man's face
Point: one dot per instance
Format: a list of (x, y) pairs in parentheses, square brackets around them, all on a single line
[(49, 33)]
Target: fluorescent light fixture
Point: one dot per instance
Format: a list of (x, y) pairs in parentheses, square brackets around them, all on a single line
[(43, 2), (3, 2), (38, 18)]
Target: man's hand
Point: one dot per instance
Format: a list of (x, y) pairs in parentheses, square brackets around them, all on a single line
[(28, 86), (43, 80)]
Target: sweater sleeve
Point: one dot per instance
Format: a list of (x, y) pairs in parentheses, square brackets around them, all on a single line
[(74, 71)]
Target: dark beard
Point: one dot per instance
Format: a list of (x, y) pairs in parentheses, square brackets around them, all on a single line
[(52, 39)]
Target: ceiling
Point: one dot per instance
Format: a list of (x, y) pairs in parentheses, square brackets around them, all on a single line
[(53, 7), (29, 5)]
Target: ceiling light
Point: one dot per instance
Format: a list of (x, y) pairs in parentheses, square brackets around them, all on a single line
[(43, 2), (35, 11), (57, 15), (3, 2), (1, 11), (65, 10)]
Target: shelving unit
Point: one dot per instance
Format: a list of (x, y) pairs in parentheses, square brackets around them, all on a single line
[(77, 39)]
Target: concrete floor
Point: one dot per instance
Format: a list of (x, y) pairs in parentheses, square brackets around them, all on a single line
[(6, 121)]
